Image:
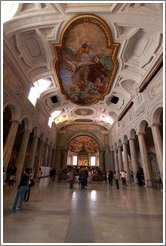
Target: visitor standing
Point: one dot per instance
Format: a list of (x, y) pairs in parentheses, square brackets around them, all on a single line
[(117, 179), (71, 178), (21, 190)]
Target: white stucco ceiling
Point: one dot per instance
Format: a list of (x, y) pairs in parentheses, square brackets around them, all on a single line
[(30, 34)]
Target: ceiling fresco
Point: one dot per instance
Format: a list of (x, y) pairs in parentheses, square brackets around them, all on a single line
[(86, 63), (89, 144)]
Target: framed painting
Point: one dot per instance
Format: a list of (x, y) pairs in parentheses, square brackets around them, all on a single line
[(85, 63)]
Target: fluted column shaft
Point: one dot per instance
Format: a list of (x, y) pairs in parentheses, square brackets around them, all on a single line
[(22, 153), (144, 159), (8, 147), (134, 161), (120, 158), (33, 152), (126, 163), (158, 143)]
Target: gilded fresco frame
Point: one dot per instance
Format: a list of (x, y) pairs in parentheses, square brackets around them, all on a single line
[(76, 20)]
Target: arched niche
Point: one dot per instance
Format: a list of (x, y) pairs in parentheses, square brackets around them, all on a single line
[(83, 151)]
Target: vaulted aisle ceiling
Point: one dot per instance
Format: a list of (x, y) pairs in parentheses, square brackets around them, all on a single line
[(29, 39)]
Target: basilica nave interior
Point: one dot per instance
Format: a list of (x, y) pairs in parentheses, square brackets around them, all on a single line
[(83, 88)]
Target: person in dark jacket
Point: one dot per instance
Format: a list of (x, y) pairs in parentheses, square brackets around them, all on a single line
[(21, 190), (30, 184), (110, 177)]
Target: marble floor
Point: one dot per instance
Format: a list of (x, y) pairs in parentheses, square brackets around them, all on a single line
[(98, 214)]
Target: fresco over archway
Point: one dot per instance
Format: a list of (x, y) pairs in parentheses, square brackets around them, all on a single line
[(86, 60), (87, 142)]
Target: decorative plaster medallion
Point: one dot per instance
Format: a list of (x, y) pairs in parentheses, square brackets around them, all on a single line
[(86, 60)]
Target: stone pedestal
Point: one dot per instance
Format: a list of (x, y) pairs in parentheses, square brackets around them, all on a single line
[(8, 147)]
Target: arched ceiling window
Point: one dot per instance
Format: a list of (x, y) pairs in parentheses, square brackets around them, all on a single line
[(39, 86), (8, 10)]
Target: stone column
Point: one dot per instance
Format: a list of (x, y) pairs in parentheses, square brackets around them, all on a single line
[(112, 166), (45, 161), (134, 161), (126, 163), (41, 146), (8, 147), (54, 159), (64, 158), (58, 159), (120, 158), (107, 160), (144, 159), (21, 154), (116, 160), (50, 157), (33, 152), (101, 160), (158, 143)]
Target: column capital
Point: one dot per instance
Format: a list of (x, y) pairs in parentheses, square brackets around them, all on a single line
[(15, 121), (156, 124), (141, 133), (132, 138), (124, 143), (26, 130)]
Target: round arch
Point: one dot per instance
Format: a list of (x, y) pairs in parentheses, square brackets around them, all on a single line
[(155, 115), (27, 123), (15, 111), (142, 125), (82, 133)]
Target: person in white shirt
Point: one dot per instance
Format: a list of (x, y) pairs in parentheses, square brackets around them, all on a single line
[(123, 178)]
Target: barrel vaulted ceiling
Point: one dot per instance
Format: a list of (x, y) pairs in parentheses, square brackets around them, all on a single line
[(29, 44)]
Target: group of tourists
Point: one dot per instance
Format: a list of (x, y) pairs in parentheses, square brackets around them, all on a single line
[(82, 176), (117, 175)]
